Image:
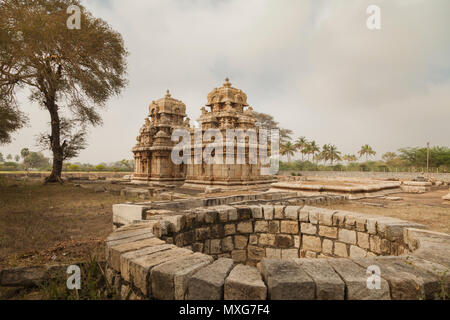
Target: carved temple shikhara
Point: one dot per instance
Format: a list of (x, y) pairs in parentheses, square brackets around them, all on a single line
[(228, 109)]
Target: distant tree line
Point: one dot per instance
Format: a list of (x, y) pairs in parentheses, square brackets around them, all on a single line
[(36, 161), (328, 157)]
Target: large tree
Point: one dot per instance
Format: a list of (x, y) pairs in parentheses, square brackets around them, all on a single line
[(266, 121), (70, 72), (11, 119)]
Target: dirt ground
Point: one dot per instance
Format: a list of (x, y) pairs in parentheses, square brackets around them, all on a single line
[(52, 223), (426, 208), (65, 224)]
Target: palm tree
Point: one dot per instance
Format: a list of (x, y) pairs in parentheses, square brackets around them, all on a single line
[(334, 154), (324, 154), (301, 144), (288, 149), (367, 151), (313, 148)]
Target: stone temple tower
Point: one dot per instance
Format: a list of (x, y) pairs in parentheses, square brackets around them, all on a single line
[(228, 109), (154, 146)]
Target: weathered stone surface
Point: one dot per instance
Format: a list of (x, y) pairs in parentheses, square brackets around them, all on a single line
[(229, 229), (208, 282), (116, 251), (261, 226), (266, 239), (273, 253), (130, 231), (227, 244), (245, 227), (244, 283), (257, 212), (274, 226), (268, 212), (112, 243), (355, 278), (283, 241), (128, 213), (289, 254), (392, 229), (239, 255), (303, 214), (329, 232), (278, 212), (406, 281), (215, 246), (140, 267), (375, 244), (339, 218), (340, 249), (291, 212), (347, 236), (286, 280), (329, 286), (308, 228), (311, 243), (255, 252), (327, 246), (244, 212), (126, 258), (240, 242), (290, 227), (23, 276), (363, 240), (169, 280), (326, 217), (356, 252)]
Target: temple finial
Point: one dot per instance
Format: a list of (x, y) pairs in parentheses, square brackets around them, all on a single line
[(168, 94), (227, 82)]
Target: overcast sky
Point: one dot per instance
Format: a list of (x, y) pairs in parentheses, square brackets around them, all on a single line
[(313, 65)]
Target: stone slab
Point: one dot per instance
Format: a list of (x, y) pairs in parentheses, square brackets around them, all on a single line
[(169, 280), (329, 286), (126, 258), (286, 280), (208, 282), (116, 251), (244, 283), (140, 267), (355, 278)]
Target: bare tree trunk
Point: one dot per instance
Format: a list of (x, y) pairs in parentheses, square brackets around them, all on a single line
[(55, 140)]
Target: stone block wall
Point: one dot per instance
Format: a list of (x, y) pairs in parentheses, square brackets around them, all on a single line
[(249, 233), (211, 253)]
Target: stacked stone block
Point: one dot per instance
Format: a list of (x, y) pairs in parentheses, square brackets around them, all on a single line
[(200, 254)]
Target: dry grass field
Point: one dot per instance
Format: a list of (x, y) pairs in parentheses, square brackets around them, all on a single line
[(52, 223)]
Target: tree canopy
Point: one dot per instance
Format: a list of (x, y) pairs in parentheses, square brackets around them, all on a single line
[(70, 72)]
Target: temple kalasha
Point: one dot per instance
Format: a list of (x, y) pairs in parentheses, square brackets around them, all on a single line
[(226, 108)]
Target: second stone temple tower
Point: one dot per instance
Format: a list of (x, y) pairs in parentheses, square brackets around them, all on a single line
[(226, 108)]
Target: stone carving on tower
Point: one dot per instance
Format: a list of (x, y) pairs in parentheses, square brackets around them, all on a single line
[(228, 109), (225, 109), (152, 153)]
